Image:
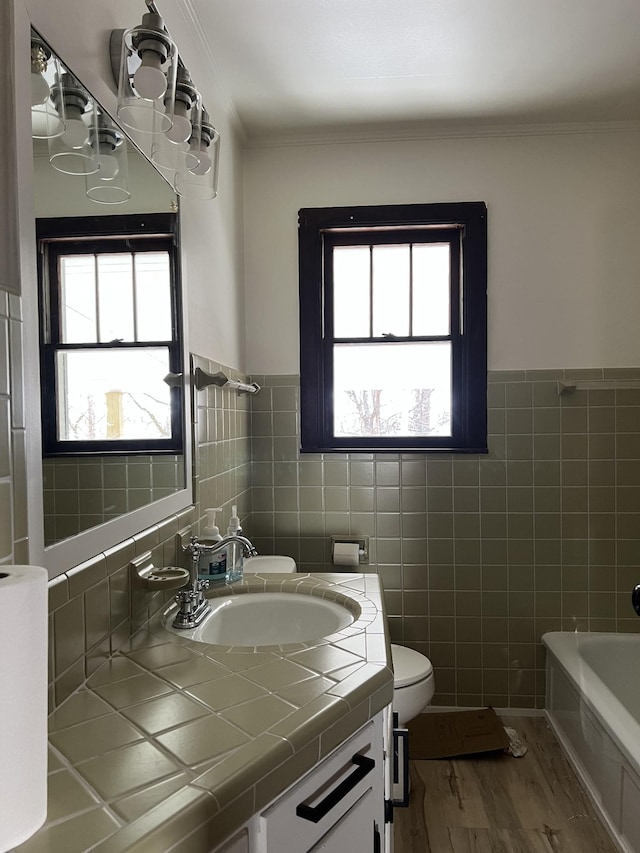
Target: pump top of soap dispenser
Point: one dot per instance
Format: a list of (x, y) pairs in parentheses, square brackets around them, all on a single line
[(211, 530), (234, 522)]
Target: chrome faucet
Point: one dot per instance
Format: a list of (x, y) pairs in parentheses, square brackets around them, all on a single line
[(247, 546), (192, 604)]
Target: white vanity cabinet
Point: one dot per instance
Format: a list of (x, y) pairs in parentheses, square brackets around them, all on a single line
[(338, 803), (337, 807)]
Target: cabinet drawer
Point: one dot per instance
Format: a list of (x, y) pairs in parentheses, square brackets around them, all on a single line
[(308, 810)]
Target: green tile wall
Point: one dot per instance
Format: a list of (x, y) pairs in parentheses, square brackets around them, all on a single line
[(82, 492), (223, 446), (479, 555)]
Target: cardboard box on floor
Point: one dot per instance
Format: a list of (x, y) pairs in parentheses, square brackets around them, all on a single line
[(455, 733)]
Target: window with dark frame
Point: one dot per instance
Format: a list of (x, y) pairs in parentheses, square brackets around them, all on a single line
[(109, 334), (393, 328)]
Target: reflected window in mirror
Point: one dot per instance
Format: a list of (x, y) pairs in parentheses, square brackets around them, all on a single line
[(110, 334)]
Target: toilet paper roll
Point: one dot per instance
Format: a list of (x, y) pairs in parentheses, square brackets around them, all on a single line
[(346, 554), (23, 702)]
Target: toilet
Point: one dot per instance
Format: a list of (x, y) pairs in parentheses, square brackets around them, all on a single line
[(413, 683)]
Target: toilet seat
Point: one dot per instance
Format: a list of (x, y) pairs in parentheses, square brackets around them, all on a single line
[(409, 666)]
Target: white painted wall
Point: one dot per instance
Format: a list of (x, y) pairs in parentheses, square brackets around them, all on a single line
[(564, 220), (211, 230)]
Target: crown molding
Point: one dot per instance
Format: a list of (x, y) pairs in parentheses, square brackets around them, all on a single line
[(414, 132)]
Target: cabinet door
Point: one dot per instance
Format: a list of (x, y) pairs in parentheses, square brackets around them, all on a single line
[(309, 810), (353, 832)]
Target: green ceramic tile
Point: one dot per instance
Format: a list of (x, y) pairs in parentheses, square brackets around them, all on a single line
[(439, 472), (324, 659), (413, 499), (519, 421), (226, 692), (68, 622), (164, 712), (279, 674), (94, 737), (413, 472), (80, 707), (116, 773), (258, 715), (188, 673), (75, 835), (136, 805), (387, 473), (122, 694), (200, 740)]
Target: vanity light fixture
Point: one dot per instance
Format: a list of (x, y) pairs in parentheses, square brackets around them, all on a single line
[(72, 151), (156, 97), (201, 179), (46, 120), (110, 184), (148, 66)]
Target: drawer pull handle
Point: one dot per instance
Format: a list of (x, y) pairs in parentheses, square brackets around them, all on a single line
[(364, 765)]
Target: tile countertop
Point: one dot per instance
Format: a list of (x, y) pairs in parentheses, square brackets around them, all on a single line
[(171, 738)]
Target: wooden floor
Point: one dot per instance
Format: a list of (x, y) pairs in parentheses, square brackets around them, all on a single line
[(500, 804)]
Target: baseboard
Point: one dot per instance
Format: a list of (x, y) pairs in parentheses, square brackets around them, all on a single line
[(501, 712)]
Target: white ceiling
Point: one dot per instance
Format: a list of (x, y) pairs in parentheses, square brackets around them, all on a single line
[(296, 68)]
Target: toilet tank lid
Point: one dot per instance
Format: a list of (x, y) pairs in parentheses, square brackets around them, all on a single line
[(409, 666)]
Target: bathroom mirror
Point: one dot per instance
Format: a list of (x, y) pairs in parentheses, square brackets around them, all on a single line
[(88, 491)]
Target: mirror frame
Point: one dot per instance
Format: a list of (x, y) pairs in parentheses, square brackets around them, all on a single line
[(70, 552)]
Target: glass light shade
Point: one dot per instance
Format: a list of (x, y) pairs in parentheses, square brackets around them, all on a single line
[(72, 152), (170, 156), (110, 184), (201, 181), (47, 121), (147, 77)]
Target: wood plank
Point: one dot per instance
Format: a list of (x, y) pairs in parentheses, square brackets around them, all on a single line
[(495, 803), (500, 841), (409, 824)]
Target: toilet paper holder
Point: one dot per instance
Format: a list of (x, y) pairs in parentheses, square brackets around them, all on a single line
[(361, 541)]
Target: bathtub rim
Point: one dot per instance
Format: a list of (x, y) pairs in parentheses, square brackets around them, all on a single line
[(601, 702)]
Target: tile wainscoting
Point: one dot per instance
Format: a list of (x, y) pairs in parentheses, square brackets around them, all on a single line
[(479, 555)]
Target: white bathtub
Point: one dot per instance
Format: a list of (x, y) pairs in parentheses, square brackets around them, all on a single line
[(593, 705)]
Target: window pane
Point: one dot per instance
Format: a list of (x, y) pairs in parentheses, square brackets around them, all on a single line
[(392, 389), (77, 299), (390, 290), (351, 292), (115, 394), (153, 296), (431, 290), (115, 297)]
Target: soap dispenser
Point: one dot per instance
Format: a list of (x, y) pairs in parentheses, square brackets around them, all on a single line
[(235, 554), (212, 567)]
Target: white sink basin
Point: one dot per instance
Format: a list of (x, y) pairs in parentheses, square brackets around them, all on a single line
[(266, 619)]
